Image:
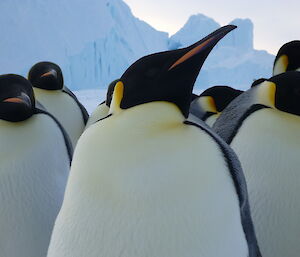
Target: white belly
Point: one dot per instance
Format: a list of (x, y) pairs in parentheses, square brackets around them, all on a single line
[(211, 119), (148, 191), (65, 109), (33, 172), (268, 146), (100, 112)]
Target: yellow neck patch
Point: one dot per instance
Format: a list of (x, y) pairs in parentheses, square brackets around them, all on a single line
[(208, 104), (266, 93), (280, 65), (117, 98)]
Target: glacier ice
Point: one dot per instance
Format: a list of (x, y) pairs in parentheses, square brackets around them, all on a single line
[(94, 41)]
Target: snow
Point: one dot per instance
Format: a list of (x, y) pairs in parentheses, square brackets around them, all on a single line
[(91, 98)]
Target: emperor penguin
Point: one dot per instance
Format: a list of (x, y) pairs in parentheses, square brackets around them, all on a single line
[(146, 182), (210, 104), (102, 109), (262, 126), (35, 161), (287, 58), (50, 91)]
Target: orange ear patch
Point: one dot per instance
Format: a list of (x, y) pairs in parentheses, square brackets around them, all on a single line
[(117, 98), (280, 65), (208, 104), (13, 100), (191, 53), (49, 73), (266, 92)]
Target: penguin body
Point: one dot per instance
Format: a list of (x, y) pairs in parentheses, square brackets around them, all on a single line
[(35, 160), (147, 195), (65, 109), (58, 99), (287, 58), (160, 207), (209, 105), (264, 135)]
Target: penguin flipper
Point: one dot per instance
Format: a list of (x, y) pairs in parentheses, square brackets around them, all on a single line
[(238, 177), (84, 112), (63, 131)]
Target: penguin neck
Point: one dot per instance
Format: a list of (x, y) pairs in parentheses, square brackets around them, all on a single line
[(152, 113), (38, 90)]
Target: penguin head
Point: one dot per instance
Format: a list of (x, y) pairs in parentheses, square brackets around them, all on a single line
[(17, 101), (218, 97), (46, 75), (166, 76), (287, 58), (282, 92), (287, 96)]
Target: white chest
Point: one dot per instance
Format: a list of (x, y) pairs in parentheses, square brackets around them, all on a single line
[(33, 173), (65, 109), (268, 146), (155, 190)]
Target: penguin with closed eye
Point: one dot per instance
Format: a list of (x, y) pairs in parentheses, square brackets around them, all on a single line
[(50, 91), (35, 161)]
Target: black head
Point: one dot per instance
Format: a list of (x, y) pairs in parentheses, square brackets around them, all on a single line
[(287, 58), (168, 76), (110, 91), (222, 95), (17, 101), (287, 95), (46, 75)]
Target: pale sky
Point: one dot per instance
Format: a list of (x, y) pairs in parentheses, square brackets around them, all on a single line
[(275, 21)]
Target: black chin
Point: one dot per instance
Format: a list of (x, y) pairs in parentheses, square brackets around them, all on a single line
[(15, 112)]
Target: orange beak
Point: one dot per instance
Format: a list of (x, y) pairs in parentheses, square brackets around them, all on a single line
[(13, 100)]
